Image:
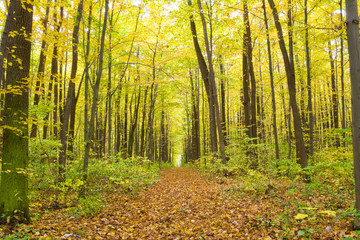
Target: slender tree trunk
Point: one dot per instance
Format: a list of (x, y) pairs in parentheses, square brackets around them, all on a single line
[(70, 99), (273, 100), (163, 139), (134, 123), (195, 133), (125, 127), (290, 74), (343, 119), (109, 110), (95, 99), (223, 99), (55, 78), (309, 88), (246, 88), (40, 74), (205, 76), (142, 134), (334, 97), (151, 139), (212, 84), (87, 74)]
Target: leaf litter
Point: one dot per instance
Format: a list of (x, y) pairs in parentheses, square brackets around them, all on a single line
[(186, 205)]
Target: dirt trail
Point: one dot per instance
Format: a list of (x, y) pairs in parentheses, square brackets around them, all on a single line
[(182, 205)]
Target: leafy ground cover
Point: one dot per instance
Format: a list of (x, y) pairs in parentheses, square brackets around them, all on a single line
[(184, 204)]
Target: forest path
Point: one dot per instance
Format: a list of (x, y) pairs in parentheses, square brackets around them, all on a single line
[(182, 205)]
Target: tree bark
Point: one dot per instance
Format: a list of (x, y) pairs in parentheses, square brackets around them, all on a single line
[(15, 154), (290, 75), (273, 100), (212, 84), (40, 74), (95, 99), (70, 99), (205, 76), (223, 99), (195, 121), (309, 88), (343, 119), (352, 20)]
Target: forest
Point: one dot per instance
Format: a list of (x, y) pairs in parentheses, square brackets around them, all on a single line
[(179, 119)]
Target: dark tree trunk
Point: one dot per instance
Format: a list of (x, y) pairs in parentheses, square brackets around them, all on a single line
[(151, 139), (343, 119), (87, 74), (70, 99), (211, 77), (223, 99), (334, 96), (15, 152), (290, 74), (195, 121), (309, 88), (205, 76), (273, 101), (134, 123), (142, 135), (352, 20), (109, 94), (163, 139), (95, 99), (40, 74), (125, 128)]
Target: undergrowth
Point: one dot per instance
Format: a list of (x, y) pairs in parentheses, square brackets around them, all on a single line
[(106, 177), (304, 210)]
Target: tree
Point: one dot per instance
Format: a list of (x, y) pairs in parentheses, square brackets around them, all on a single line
[(95, 99), (273, 102), (290, 75), (208, 75), (352, 20), (71, 98), (308, 78), (14, 180)]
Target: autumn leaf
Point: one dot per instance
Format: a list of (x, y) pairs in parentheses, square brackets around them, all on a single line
[(301, 216)]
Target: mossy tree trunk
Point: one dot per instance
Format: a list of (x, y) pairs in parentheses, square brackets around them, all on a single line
[(14, 182)]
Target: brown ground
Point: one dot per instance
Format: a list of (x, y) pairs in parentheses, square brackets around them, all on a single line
[(185, 205)]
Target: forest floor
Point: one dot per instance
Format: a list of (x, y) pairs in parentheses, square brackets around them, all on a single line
[(186, 205)]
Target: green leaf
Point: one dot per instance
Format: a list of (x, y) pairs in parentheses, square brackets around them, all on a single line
[(301, 233)]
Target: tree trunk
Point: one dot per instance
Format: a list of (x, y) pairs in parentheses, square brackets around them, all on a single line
[(343, 119), (109, 96), (87, 74), (352, 20), (195, 128), (212, 84), (273, 100), (125, 127), (40, 74), (70, 99), (151, 138), (95, 99), (309, 88), (223, 99), (142, 134), (15, 154), (290, 74), (205, 76), (134, 123)]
